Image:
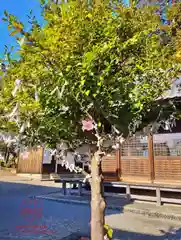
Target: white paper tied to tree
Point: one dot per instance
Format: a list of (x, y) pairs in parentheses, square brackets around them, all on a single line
[(14, 113), (83, 153), (22, 128), (67, 158), (62, 146), (8, 140), (59, 93), (69, 161), (36, 95), (21, 41), (53, 152), (17, 87)]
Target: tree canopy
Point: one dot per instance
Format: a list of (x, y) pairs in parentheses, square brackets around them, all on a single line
[(88, 61), (93, 71)]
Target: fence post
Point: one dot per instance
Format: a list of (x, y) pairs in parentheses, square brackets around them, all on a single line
[(158, 197), (118, 158), (151, 157), (42, 158), (128, 192)]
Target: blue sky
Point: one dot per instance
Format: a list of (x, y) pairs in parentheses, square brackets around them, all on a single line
[(19, 8)]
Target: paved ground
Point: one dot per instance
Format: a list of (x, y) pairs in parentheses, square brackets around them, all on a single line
[(60, 219), (166, 211)]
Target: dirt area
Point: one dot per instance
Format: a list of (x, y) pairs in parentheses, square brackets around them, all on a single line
[(7, 171)]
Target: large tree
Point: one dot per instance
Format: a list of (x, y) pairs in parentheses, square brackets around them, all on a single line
[(92, 72)]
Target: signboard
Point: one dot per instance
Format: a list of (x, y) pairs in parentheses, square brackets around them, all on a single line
[(47, 157)]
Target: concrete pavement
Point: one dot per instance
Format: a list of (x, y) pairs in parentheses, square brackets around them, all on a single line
[(59, 219)]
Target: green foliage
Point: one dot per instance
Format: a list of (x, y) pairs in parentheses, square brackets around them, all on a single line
[(108, 231), (87, 61), (174, 15), (2, 163)]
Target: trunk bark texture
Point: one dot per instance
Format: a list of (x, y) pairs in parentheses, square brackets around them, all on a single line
[(97, 201)]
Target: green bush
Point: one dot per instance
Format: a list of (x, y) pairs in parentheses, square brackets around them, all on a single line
[(2, 163)]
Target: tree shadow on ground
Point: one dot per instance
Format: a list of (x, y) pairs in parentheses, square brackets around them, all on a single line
[(25, 187), (123, 235), (27, 190), (172, 234)]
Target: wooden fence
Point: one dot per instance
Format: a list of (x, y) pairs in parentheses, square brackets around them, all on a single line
[(144, 159), (110, 167), (30, 161)]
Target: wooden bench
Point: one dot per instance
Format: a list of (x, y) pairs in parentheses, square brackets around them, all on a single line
[(156, 187), (71, 179)]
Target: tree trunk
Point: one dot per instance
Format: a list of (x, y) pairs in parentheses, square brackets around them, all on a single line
[(97, 201)]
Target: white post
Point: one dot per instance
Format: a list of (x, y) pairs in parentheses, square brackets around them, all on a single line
[(56, 166)]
